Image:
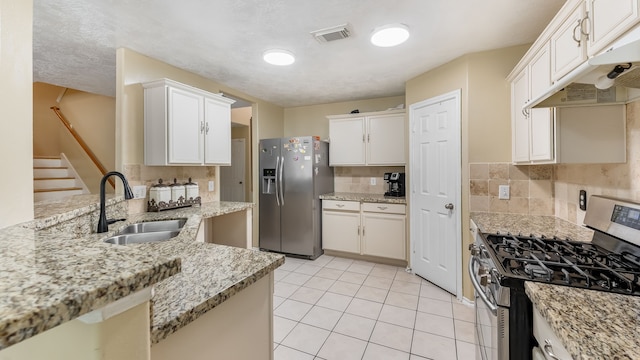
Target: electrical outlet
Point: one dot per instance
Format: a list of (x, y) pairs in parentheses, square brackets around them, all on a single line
[(139, 191), (211, 187), (503, 192), (582, 200), (372, 181)]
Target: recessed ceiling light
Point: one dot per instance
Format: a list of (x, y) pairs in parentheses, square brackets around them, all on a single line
[(279, 57), (390, 35)]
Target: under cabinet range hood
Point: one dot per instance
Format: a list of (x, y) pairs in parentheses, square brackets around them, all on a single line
[(612, 76)]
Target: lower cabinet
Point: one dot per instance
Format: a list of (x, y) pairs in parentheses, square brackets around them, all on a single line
[(374, 229)]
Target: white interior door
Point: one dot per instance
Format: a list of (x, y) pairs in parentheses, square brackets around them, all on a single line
[(232, 177), (435, 190)]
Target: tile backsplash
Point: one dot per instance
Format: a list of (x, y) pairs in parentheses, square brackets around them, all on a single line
[(531, 188), (357, 179)]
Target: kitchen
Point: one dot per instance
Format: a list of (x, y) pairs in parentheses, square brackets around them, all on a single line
[(477, 123)]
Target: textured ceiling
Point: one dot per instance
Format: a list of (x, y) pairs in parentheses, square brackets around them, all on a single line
[(75, 41)]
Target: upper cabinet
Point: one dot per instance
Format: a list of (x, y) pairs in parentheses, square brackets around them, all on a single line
[(608, 20), (376, 138), (185, 126), (568, 42)]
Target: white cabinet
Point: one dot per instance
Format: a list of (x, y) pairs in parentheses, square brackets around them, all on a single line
[(185, 126), (519, 118), (376, 138), (569, 43), (549, 342), (608, 20), (374, 229)]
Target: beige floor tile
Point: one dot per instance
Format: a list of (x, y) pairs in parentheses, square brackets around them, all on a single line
[(437, 307), (379, 352), (296, 278), (281, 328), (356, 326), (329, 273), (378, 282), (353, 278), (360, 268), (277, 300), (341, 347), (292, 310), (434, 324), (319, 283), (287, 353), (283, 289), (334, 301), (344, 288), (406, 287), (339, 264), (365, 308), (322, 317), (465, 331), (279, 274), (393, 336), (373, 294), (290, 265), (306, 338), (322, 260), (465, 350), (463, 312), (433, 346), (402, 275), (397, 316), (308, 269), (434, 292), (402, 300), (416, 357), (387, 273), (307, 295)]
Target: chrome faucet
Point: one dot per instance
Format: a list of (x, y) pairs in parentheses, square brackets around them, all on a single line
[(103, 223)]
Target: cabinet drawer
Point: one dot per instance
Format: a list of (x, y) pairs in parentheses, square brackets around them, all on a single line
[(384, 208), (340, 205)]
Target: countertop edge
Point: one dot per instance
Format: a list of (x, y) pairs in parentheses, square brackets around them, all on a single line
[(363, 197)]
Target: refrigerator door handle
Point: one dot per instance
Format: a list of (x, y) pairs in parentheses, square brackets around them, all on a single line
[(280, 179), (276, 182)]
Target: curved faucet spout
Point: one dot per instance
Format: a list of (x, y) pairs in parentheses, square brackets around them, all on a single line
[(103, 225)]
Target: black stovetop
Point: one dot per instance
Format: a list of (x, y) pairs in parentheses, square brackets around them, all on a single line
[(563, 262)]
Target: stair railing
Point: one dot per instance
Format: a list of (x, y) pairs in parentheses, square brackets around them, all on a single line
[(82, 144)]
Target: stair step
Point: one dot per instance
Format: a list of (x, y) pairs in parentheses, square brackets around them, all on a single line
[(54, 183), (56, 189), (46, 162), (40, 195), (50, 172)]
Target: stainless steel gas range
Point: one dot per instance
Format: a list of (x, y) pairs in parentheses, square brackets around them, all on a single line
[(501, 263)]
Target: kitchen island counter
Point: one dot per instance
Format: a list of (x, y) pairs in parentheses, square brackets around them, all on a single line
[(530, 224), (363, 197)]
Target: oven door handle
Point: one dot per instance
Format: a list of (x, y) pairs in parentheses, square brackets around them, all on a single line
[(478, 287)]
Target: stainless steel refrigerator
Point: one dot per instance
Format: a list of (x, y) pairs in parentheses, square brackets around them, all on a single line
[(294, 172)]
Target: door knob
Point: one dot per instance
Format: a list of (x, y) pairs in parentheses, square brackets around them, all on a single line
[(449, 206)]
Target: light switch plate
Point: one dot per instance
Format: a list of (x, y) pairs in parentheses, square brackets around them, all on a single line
[(139, 191), (372, 181), (503, 192), (211, 187)]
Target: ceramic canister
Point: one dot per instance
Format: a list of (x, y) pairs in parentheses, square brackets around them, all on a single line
[(160, 193), (177, 191), (191, 189)]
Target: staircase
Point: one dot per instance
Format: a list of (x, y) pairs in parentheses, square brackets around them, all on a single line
[(53, 180)]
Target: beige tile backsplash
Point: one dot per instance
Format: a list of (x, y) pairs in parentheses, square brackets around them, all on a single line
[(357, 178), (531, 188)]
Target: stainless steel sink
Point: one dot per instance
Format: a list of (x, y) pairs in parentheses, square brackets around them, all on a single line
[(139, 238), (153, 226)]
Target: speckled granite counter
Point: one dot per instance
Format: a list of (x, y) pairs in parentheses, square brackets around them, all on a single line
[(363, 197), (48, 278), (591, 324), (210, 273), (530, 224)]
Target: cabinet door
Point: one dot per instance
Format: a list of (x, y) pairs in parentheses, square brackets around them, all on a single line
[(347, 138), (540, 72), (519, 121), (341, 231), (385, 140), (541, 130), (608, 19), (185, 127), (217, 145), (384, 235), (566, 52)]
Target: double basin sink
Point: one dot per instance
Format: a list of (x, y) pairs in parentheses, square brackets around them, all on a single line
[(148, 232)]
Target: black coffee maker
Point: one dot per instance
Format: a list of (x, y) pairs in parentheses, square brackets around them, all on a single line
[(395, 184)]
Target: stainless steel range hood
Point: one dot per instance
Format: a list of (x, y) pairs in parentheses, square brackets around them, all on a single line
[(579, 86)]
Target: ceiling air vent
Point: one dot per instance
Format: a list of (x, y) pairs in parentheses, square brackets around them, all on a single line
[(332, 33)]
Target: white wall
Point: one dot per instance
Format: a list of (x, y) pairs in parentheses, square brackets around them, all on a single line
[(16, 102)]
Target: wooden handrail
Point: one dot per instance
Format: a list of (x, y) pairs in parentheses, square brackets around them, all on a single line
[(83, 144)]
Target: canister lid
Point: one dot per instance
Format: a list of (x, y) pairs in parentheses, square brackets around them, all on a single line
[(159, 184), (191, 183), (175, 183)]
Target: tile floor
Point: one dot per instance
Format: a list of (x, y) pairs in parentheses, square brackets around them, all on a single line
[(336, 308)]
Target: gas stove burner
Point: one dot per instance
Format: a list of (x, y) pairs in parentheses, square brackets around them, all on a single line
[(535, 270)]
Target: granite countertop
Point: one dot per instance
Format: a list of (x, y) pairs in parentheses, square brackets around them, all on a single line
[(591, 324), (48, 277), (364, 197), (210, 274)]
